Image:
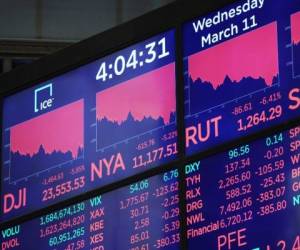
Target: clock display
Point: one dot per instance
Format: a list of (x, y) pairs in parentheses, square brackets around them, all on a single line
[(145, 54)]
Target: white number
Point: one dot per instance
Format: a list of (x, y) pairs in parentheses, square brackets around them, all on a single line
[(102, 75), (120, 63), (119, 66), (132, 61), (164, 51), (249, 23), (151, 52)]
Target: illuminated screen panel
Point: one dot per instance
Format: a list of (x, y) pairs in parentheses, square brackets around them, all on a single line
[(248, 197), (142, 216), (241, 71), (105, 121)]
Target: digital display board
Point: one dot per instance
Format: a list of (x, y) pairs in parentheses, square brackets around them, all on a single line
[(116, 117), (102, 122), (241, 71), (248, 197), (142, 216)]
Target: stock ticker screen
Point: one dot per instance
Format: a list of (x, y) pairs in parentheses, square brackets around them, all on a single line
[(102, 122), (142, 216), (246, 198), (116, 117), (241, 71)]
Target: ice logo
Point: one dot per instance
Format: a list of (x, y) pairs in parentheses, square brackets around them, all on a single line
[(43, 98)]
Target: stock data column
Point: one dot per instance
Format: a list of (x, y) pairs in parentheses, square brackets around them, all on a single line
[(141, 216), (248, 197), (146, 215), (65, 229)]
